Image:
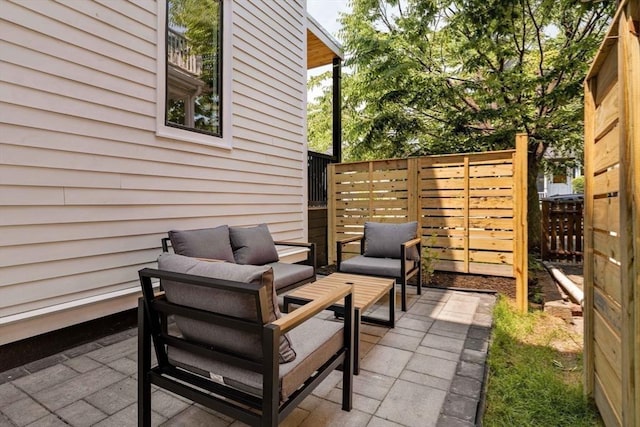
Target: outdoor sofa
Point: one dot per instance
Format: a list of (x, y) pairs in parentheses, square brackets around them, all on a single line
[(245, 246)]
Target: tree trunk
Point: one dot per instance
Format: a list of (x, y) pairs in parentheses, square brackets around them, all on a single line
[(534, 225)]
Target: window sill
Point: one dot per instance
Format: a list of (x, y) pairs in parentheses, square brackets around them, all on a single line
[(194, 137)]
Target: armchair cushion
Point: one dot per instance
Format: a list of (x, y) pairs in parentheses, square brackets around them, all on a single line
[(285, 274), (212, 243), (253, 245), (383, 240), (316, 340), (223, 302), (386, 267)]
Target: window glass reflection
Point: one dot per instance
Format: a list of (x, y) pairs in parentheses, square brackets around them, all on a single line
[(194, 55)]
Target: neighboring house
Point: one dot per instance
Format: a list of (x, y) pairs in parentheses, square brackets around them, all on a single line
[(560, 182), (104, 147)]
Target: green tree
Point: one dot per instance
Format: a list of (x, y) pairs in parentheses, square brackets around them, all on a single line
[(438, 76), (319, 117)]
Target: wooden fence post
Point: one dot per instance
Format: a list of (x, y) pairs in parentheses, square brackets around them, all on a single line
[(413, 190), (520, 252), (331, 213), (629, 121), (588, 259)]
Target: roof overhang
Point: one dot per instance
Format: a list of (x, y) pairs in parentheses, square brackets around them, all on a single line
[(321, 46)]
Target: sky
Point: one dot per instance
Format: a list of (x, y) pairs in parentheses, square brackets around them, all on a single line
[(326, 13)]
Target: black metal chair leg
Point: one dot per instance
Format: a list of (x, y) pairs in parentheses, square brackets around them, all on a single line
[(144, 365)]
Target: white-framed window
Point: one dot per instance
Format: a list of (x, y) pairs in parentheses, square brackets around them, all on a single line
[(194, 71)]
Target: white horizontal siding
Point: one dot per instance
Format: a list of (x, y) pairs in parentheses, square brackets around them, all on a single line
[(87, 189), (250, 170), (15, 236)]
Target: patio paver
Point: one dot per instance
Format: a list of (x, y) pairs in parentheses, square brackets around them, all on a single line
[(428, 371)]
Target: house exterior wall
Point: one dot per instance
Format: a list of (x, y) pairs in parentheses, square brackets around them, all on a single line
[(556, 188), (87, 188)]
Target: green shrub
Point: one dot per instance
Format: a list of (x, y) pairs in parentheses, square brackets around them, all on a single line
[(578, 184), (429, 259)]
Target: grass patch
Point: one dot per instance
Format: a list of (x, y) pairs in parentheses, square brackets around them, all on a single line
[(535, 372)]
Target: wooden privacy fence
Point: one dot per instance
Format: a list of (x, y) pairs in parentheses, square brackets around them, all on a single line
[(471, 208), (612, 222), (562, 230)]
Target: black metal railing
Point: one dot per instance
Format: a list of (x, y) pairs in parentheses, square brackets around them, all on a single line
[(317, 177)]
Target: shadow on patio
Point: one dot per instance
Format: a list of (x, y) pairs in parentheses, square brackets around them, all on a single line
[(427, 371)]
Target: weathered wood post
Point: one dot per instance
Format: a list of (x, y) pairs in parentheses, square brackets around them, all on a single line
[(520, 254)]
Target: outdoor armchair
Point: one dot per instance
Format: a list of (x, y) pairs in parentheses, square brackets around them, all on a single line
[(220, 341), (386, 250)]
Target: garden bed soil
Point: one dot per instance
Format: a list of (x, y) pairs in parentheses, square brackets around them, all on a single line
[(541, 285), (441, 279), (503, 285)]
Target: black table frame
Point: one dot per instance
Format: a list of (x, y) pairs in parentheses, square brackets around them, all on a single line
[(358, 317)]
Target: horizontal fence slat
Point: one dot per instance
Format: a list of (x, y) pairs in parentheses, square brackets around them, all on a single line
[(607, 339), (606, 277), (607, 182), (460, 183), (607, 112), (460, 202), (606, 244), (606, 214), (608, 150)]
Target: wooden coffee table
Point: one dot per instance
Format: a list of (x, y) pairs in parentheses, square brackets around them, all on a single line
[(366, 292)]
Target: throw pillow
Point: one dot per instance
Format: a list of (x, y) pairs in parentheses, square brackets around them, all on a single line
[(253, 245), (212, 243), (383, 240)]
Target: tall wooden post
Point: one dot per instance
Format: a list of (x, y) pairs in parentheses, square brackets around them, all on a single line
[(629, 121), (521, 257)]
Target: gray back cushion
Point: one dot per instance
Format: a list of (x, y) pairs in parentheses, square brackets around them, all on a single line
[(253, 245), (225, 302), (212, 243), (383, 240)]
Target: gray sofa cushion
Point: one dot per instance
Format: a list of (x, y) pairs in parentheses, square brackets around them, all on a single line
[(212, 243), (287, 274), (253, 245), (382, 240), (316, 340), (223, 302), (386, 267)]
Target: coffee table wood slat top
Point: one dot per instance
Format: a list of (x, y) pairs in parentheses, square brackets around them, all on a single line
[(366, 290)]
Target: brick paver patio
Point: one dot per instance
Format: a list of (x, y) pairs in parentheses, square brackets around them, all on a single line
[(427, 371)]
